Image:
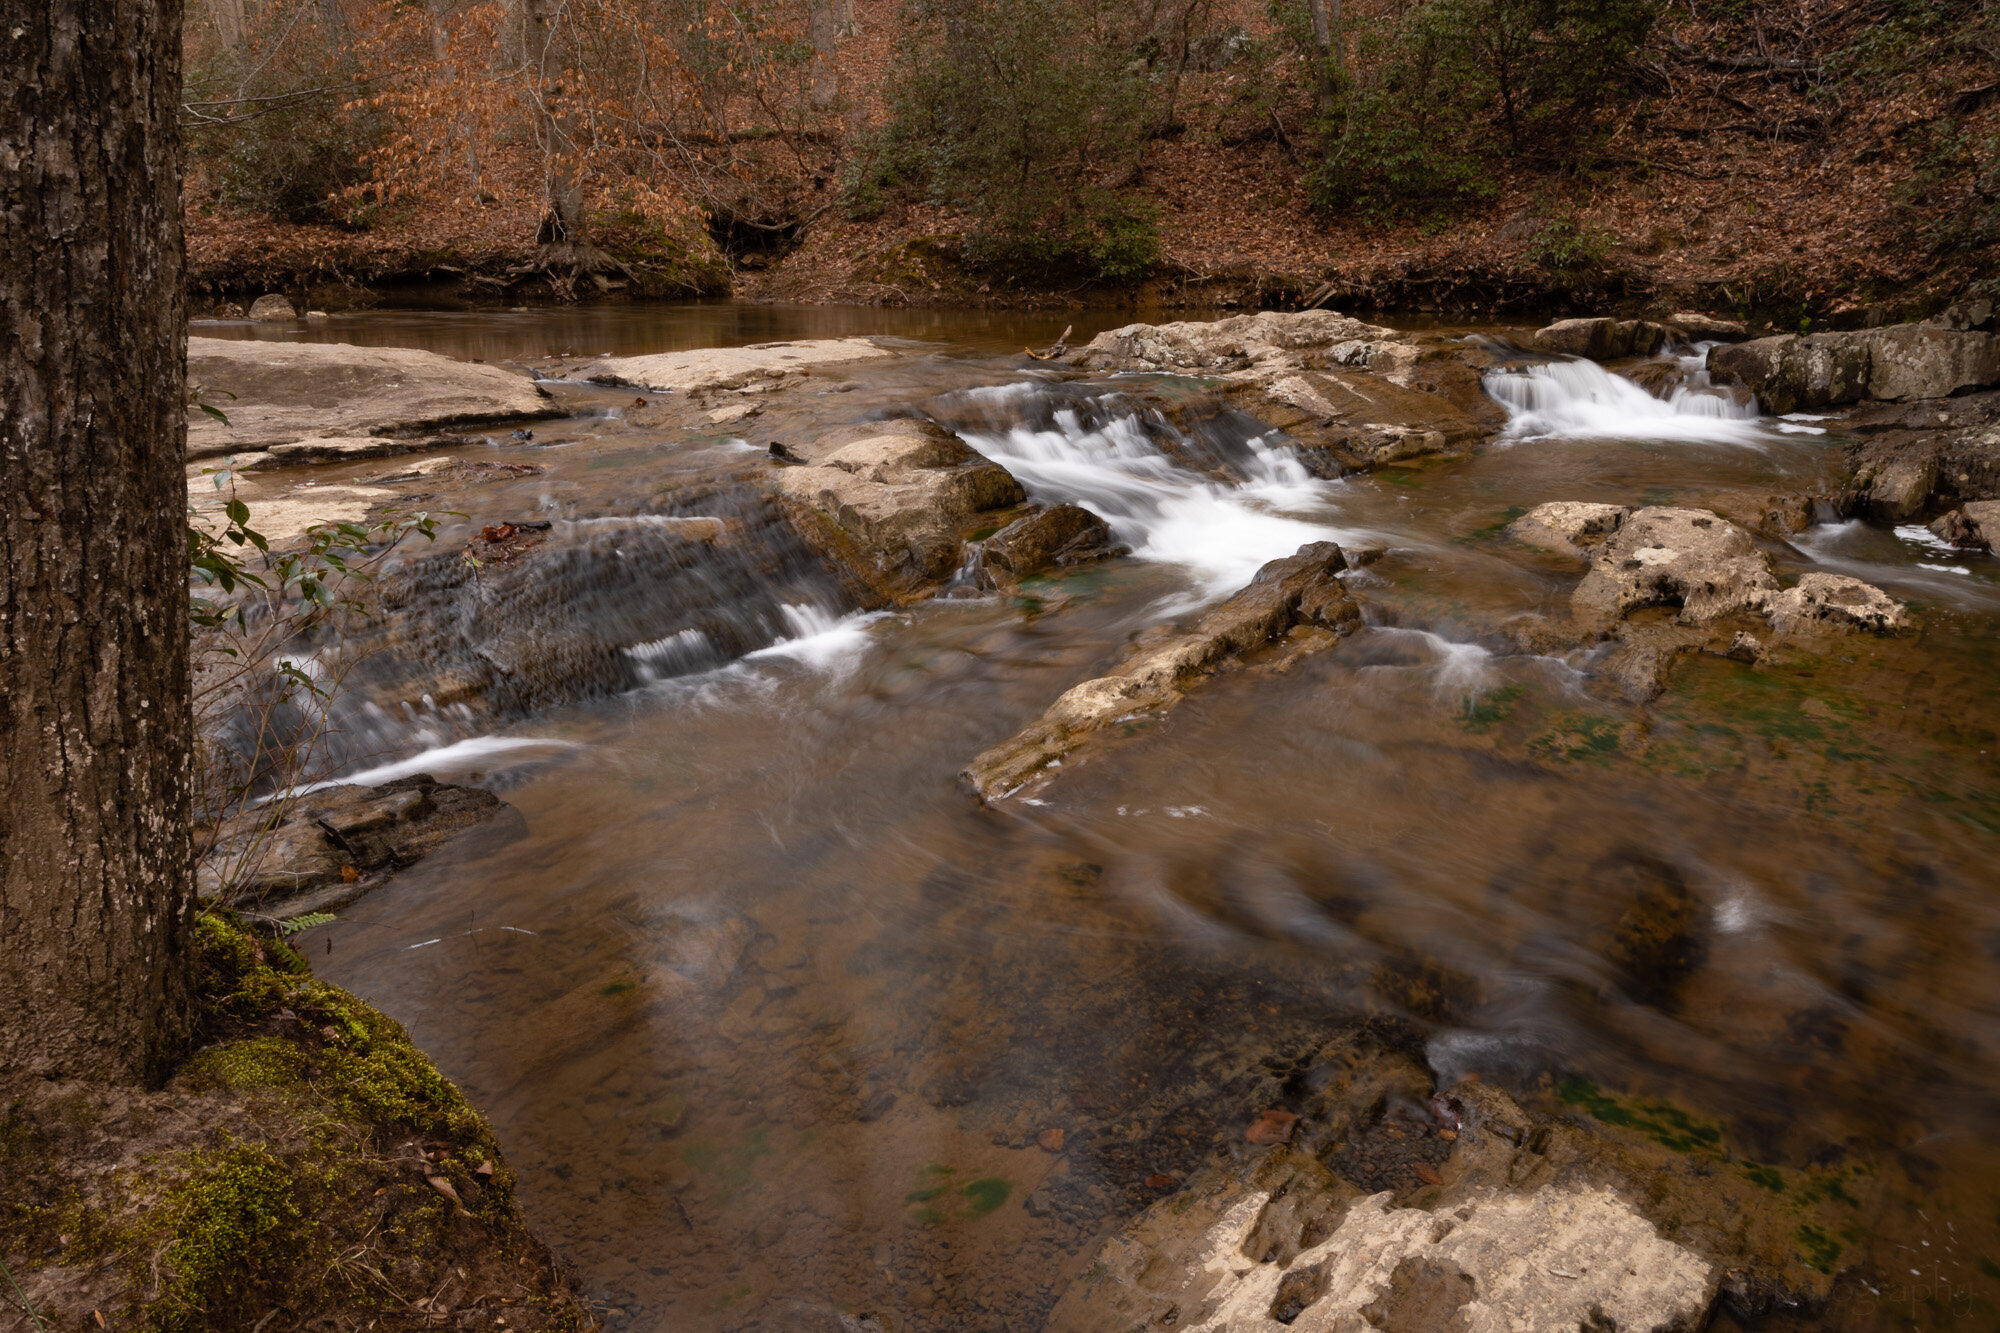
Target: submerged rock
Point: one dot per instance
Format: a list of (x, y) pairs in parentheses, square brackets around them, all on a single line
[(1299, 590), (897, 498), (287, 392), (1602, 339)]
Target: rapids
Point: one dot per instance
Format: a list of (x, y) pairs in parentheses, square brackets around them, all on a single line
[(781, 1022)]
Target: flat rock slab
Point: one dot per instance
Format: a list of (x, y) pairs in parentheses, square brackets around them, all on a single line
[(712, 368), (1301, 590), (288, 392)]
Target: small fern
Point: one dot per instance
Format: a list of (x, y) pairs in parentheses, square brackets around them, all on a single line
[(293, 925)]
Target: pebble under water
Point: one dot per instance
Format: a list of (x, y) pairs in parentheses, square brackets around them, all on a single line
[(778, 1025)]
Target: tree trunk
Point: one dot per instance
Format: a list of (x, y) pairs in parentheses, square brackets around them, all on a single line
[(1326, 40), (826, 34), (96, 873), (229, 21)]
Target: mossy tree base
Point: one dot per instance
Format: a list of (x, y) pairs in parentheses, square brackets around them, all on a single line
[(305, 1168)]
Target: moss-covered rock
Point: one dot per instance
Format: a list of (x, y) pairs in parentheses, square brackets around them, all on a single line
[(304, 1159)]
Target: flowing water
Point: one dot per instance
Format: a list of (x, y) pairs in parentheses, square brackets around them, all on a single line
[(774, 1021)]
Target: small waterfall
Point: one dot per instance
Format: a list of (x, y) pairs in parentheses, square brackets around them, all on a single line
[(1125, 464), (1583, 400)]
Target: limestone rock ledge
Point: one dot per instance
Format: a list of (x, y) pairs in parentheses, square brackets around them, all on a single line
[(278, 393), (1301, 590), (1355, 395)]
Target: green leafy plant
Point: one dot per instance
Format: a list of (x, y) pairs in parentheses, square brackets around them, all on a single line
[(263, 697), (1026, 115), (1569, 247), (1439, 93)]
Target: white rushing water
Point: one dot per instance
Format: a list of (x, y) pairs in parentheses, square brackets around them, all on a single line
[(820, 640), (1583, 400), (1219, 532)]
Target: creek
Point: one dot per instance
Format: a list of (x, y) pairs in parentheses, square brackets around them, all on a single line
[(774, 1020)]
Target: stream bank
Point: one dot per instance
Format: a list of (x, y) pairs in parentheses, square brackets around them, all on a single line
[(836, 1041)]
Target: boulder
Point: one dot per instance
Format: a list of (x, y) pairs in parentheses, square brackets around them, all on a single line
[(1974, 525), (1688, 558), (1352, 394), (1567, 527), (1523, 1222), (1837, 601), (1706, 328), (1791, 373), (272, 309), (1898, 363), (1062, 535), (1601, 339), (903, 492), (286, 392), (1965, 316), (333, 837), (1300, 590), (712, 368), (1658, 378)]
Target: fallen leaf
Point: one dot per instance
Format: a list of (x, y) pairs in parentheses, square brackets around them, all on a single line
[(99, 1317), (1050, 1139), (1426, 1174), (1448, 1135), (484, 1169), (1271, 1127), (349, 874), (1159, 1181), (443, 1186)]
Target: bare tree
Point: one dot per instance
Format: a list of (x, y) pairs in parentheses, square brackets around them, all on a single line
[(96, 875)]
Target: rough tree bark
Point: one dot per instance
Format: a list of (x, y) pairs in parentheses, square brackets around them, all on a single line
[(96, 873)]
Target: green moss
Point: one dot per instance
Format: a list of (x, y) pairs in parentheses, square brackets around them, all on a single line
[(1579, 736), (1821, 1250), (237, 1222), (1769, 1178), (258, 1062), (986, 1194), (1668, 1126), (1494, 706)]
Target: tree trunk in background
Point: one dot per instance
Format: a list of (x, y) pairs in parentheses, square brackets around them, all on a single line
[(1326, 38), (96, 871), (229, 21), (825, 26)]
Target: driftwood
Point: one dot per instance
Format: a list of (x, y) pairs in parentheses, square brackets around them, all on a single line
[(1056, 349)]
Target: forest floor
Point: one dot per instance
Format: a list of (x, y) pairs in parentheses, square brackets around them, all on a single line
[(1820, 172)]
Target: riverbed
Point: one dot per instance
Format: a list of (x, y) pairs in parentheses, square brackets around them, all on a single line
[(778, 1025)]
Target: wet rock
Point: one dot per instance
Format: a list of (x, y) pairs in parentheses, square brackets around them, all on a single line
[(1642, 657), (1706, 328), (289, 851), (1532, 1222), (1658, 378), (1300, 589), (1914, 459), (1601, 339), (1659, 936), (1689, 558), (902, 494), (713, 368), (724, 416), (287, 392), (272, 309), (346, 448), (1901, 362), (1567, 527), (1061, 535), (1353, 394), (1974, 525), (284, 519), (1837, 601)]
